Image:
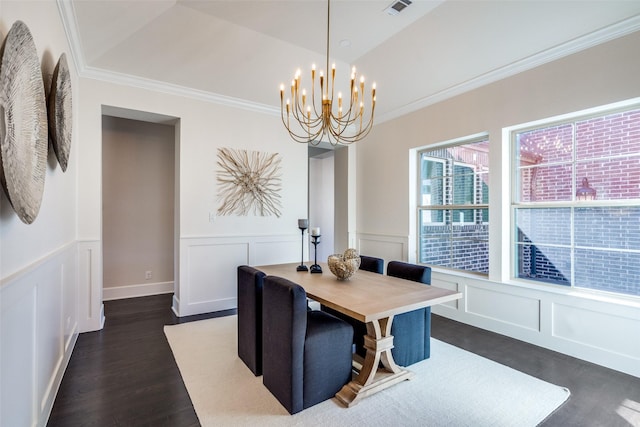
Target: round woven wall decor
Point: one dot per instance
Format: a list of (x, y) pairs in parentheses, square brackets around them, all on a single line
[(59, 111), (23, 123)]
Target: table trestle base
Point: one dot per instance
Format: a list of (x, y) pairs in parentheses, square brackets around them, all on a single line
[(372, 377)]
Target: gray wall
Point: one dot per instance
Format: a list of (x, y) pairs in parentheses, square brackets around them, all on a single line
[(137, 202)]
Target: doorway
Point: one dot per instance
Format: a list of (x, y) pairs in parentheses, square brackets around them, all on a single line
[(138, 206), (322, 200)]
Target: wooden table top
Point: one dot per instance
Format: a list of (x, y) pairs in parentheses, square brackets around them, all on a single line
[(365, 296)]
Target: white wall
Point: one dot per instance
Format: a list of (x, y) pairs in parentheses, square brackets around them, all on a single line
[(574, 322), (39, 318), (51, 271), (345, 197), (208, 251), (321, 204)]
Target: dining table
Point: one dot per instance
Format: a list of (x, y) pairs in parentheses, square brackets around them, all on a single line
[(373, 299)]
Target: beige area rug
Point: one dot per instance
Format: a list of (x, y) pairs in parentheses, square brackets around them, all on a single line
[(452, 388)]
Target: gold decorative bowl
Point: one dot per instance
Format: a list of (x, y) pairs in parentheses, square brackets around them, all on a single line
[(343, 266)]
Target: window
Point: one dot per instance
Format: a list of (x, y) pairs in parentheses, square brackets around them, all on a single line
[(453, 202), (576, 202)]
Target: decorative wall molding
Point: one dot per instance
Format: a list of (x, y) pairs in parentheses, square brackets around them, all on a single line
[(39, 326), (593, 39), (67, 15), (549, 319), (387, 247), (90, 291), (583, 325), (208, 267)]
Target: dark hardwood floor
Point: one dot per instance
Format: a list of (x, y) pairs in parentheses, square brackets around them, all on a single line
[(125, 374)]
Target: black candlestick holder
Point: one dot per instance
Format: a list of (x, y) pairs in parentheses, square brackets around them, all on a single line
[(302, 225), (315, 268)]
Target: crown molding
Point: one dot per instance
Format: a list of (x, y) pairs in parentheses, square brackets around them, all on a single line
[(67, 14), (177, 90), (70, 25), (69, 22), (595, 38)]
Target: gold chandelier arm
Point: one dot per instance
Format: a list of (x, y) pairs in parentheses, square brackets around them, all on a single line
[(345, 134), (315, 120), (311, 133)]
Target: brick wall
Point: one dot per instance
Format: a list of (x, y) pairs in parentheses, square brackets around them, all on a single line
[(463, 247), (452, 245), (607, 152)]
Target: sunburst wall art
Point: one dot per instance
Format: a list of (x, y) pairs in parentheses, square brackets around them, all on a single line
[(249, 181)]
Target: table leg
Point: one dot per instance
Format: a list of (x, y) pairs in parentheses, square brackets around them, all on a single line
[(372, 378)]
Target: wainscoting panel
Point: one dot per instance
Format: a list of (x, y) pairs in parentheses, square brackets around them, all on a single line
[(450, 285), (211, 271), (278, 251), (49, 335), (503, 307), (90, 291), (580, 325), (602, 331), (389, 248), (18, 398), (596, 328), (208, 268), (38, 329)]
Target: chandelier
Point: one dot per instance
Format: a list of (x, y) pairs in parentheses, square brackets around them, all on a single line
[(314, 121)]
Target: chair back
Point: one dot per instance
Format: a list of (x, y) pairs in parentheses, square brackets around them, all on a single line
[(284, 328), (250, 284), (369, 263), (414, 272), (411, 331)]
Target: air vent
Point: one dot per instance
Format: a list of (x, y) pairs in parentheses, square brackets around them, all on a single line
[(397, 7)]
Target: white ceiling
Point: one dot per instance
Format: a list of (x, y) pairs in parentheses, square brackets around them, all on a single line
[(242, 50)]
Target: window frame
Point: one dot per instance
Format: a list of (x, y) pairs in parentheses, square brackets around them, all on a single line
[(419, 207), (515, 204), (419, 197)]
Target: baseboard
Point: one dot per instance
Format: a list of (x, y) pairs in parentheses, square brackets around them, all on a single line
[(134, 291)]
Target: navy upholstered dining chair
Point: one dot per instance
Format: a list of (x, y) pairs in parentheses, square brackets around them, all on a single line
[(250, 283), (411, 331), (306, 353), (373, 264)]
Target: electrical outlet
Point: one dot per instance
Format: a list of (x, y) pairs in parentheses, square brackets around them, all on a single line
[(147, 275), (212, 216)]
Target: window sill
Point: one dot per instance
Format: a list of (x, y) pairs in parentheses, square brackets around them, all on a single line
[(582, 293)]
